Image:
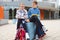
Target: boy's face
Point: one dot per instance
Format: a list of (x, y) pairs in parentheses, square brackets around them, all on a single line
[(34, 5)]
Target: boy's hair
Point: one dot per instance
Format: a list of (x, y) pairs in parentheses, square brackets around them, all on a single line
[(35, 2)]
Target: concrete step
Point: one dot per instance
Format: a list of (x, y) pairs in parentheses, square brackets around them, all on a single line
[(3, 21)]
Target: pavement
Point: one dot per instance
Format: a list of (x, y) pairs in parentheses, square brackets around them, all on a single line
[(8, 31)]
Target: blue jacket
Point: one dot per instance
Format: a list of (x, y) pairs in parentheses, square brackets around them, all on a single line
[(33, 11)]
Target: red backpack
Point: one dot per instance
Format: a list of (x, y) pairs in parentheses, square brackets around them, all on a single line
[(20, 34)]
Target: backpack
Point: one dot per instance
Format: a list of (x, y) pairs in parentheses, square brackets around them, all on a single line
[(20, 34)]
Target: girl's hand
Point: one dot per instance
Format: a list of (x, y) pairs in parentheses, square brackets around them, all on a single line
[(24, 16)]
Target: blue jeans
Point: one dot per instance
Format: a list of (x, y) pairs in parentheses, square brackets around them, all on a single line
[(31, 28), (39, 30)]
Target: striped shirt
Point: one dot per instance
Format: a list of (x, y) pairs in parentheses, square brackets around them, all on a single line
[(22, 14)]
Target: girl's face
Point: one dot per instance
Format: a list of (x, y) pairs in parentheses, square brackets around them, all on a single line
[(22, 6), (34, 5)]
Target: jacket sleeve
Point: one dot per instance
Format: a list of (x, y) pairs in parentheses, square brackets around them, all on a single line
[(29, 13), (17, 14), (26, 14), (39, 14)]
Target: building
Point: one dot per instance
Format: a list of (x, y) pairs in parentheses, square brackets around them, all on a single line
[(49, 8)]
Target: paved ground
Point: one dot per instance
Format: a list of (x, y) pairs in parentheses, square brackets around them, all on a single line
[(7, 32)]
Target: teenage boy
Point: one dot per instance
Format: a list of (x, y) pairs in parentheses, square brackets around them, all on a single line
[(34, 16)]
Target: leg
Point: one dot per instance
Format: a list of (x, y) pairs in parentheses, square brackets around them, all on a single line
[(24, 26), (35, 20), (18, 23)]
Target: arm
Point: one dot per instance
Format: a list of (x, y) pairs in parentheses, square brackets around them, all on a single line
[(39, 14), (29, 13), (17, 14), (26, 14)]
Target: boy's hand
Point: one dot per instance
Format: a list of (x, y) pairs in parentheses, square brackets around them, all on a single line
[(27, 20)]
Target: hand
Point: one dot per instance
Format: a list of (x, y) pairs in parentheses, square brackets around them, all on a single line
[(24, 16), (27, 20), (18, 17)]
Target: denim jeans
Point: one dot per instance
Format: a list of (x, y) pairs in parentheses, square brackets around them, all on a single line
[(31, 28)]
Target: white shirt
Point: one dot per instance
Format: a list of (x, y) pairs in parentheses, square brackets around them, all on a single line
[(22, 14)]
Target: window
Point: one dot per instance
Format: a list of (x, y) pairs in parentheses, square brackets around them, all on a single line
[(10, 13), (16, 0), (5, 0), (50, 0), (45, 0), (39, 0), (53, 0), (0, 0)]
